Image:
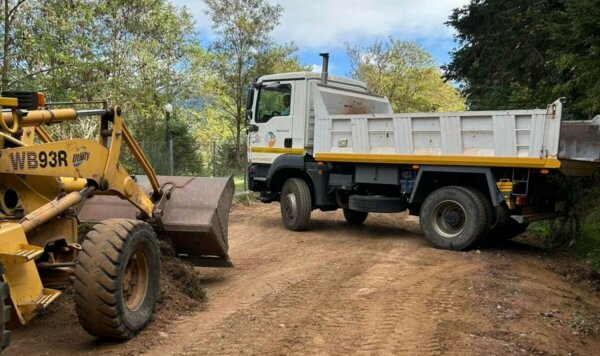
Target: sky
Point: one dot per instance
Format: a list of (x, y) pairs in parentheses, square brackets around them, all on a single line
[(317, 26)]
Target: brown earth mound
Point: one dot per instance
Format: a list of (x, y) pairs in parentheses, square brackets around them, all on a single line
[(180, 294)]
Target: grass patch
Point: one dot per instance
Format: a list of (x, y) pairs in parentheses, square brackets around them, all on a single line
[(588, 246), (242, 195), (540, 228), (239, 184)]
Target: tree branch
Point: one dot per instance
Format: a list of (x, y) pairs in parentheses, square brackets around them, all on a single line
[(12, 11)]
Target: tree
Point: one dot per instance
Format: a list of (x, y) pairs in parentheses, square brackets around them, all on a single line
[(406, 74), (516, 54), (576, 56), (243, 49), (502, 59), (138, 54), (10, 11)]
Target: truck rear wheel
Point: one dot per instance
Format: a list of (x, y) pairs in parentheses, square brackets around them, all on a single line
[(489, 211), (296, 204), (355, 217), (453, 218), (4, 312), (117, 278)]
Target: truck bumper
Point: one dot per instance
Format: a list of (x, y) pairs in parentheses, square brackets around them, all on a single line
[(526, 219)]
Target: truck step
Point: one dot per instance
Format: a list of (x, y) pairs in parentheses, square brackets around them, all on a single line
[(24, 254), (47, 297)]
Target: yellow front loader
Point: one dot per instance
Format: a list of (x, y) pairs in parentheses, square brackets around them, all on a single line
[(47, 188)]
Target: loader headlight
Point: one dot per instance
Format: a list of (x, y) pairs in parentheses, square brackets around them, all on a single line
[(27, 100), (10, 200)]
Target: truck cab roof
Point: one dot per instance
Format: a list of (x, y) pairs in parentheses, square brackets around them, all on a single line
[(311, 75)]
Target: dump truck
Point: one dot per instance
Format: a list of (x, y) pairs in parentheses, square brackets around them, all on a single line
[(321, 142), (49, 189)]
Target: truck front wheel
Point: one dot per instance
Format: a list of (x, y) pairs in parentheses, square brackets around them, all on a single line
[(453, 218), (296, 204)]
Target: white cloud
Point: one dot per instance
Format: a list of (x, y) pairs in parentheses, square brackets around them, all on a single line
[(318, 67), (314, 24)]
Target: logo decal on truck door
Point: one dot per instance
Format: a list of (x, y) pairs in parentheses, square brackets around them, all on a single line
[(270, 139)]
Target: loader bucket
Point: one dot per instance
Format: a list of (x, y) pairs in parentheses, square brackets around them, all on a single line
[(194, 218)]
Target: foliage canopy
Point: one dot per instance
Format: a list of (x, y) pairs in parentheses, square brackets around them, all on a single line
[(406, 74)]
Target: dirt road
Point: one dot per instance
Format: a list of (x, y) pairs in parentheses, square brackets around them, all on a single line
[(375, 289)]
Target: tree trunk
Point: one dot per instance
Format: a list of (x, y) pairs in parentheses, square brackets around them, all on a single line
[(238, 114), (5, 48)]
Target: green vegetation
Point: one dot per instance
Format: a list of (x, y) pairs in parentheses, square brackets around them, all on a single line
[(406, 74), (138, 54), (528, 53), (239, 184), (588, 246), (242, 51), (143, 54)]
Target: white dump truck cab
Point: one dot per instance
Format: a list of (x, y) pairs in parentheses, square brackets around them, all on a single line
[(321, 142), (280, 115)]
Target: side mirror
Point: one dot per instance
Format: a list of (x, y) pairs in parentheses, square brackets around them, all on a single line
[(249, 99), (248, 115)]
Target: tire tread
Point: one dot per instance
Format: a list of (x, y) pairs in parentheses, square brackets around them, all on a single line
[(304, 204), (96, 277)]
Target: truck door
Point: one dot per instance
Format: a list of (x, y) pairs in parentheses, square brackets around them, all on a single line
[(271, 127)]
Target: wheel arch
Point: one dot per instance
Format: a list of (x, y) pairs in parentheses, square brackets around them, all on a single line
[(285, 167), (430, 178)]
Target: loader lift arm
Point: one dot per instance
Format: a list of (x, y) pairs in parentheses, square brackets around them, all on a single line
[(96, 162), (44, 191)]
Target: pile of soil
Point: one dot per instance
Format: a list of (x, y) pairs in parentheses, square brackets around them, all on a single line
[(180, 286), (180, 294)]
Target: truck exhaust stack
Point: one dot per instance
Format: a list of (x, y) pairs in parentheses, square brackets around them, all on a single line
[(325, 69)]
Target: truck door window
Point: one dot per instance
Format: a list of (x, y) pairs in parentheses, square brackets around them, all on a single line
[(273, 100)]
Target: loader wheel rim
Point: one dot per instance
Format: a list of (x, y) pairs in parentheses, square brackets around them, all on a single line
[(291, 206), (449, 218), (135, 281)]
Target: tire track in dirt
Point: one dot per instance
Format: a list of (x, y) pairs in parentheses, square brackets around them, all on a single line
[(373, 289)]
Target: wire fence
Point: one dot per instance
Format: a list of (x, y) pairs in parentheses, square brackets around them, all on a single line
[(209, 160)]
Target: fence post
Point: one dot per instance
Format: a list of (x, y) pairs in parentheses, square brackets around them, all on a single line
[(171, 166), (245, 173), (214, 158)]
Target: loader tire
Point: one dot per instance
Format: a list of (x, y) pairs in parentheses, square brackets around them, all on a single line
[(453, 218), (295, 204), (5, 309), (354, 217), (117, 278)]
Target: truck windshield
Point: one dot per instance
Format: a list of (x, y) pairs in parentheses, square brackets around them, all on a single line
[(273, 100)]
